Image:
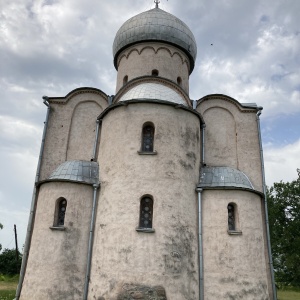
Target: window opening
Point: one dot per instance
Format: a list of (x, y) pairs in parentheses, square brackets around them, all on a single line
[(154, 72), (148, 138), (125, 79), (179, 81), (61, 212), (146, 212), (231, 216)]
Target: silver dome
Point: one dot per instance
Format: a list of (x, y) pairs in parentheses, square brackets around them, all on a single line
[(224, 177), (76, 171), (156, 25), (147, 91)]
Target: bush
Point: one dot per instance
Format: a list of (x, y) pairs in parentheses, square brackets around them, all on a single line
[(8, 262)]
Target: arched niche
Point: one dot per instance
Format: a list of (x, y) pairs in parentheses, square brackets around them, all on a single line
[(220, 138), (82, 131)]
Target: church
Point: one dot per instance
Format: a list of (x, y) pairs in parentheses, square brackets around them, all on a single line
[(148, 194)]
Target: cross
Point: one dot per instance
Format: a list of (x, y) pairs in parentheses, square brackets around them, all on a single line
[(156, 3)]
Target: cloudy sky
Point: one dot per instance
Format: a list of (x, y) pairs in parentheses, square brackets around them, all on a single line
[(50, 47)]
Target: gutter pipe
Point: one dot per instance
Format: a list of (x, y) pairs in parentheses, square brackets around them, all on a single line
[(90, 246), (33, 204), (266, 205), (200, 241), (200, 244), (203, 144), (96, 140)]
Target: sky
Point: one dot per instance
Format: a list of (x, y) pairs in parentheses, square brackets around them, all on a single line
[(248, 50)]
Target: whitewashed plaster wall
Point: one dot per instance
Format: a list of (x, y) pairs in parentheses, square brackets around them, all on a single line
[(57, 260), (168, 257)]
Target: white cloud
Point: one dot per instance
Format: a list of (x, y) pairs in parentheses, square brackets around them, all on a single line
[(281, 163), (50, 47)]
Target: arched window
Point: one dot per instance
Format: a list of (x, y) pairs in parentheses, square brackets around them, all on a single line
[(231, 216), (154, 72), (60, 212), (146, 212), (125, 79), (147, 137), (179, 81)]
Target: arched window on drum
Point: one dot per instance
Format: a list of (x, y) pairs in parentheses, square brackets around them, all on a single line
[(60, 212), (233, 219), (148, 137), (146, 212)]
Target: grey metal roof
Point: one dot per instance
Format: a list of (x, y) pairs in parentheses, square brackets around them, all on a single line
[(77, 171), (153, 91), (223, 177), (156, 25)]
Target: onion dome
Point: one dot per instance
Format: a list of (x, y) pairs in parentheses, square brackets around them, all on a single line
[(159, 26)]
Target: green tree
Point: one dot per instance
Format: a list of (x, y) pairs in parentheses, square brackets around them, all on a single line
[(1, 226), (8, 262), (284, 221)]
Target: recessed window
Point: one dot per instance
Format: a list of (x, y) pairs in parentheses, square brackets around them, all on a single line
[(231, 217), (233, 220), (125, 79), (60, 212), (179, 81), (147, 137), (146, 212), (154, 72)]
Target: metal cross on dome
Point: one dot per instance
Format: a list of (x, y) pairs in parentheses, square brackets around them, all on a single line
[(156, 3)]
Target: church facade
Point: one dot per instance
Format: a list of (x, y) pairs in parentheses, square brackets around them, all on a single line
[(148, 194)]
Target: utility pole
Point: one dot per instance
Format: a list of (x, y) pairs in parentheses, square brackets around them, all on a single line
[(16, 240)]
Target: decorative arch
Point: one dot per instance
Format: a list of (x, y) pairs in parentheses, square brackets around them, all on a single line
[(221, 137), (81, 135), (140, 51)]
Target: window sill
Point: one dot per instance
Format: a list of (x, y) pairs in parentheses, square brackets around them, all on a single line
[(146, 230), (147, 153), (234, 232), (59, 228)]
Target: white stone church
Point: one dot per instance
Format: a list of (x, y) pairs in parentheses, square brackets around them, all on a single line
[(148, 194)]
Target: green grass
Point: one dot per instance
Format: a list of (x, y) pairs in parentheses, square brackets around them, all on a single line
[(8, 286), (285, 295), (7, 295)]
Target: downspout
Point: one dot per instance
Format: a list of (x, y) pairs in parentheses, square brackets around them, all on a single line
[(90, 246), (200, 241), (203, 164), (33, 205), (266, 205), (200, 244), (96, 140)]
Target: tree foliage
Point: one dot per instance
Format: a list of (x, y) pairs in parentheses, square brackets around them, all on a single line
[(284, 222), (1, 226), (9, 264)]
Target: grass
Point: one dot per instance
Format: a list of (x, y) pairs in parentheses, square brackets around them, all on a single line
[(8, 286), (287, 294)]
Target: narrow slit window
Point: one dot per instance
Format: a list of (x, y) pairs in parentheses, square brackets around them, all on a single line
[(231, 217), (146, 212), (125, 79), (147, 138), (60, 212), (154, 72), (179, 81)]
